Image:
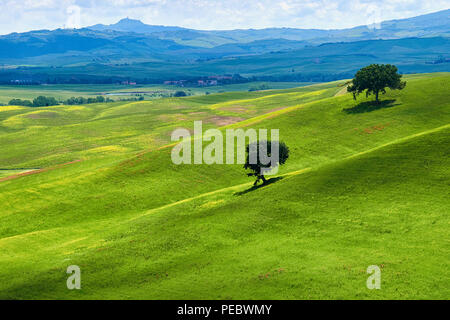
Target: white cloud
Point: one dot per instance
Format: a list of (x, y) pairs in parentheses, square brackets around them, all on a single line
[(22, 15), (74, 17)]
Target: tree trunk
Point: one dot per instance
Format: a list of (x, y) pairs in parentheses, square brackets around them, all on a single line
[(263, 179), (376, 96)]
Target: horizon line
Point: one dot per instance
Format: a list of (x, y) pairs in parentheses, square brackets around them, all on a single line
[(212, 30)]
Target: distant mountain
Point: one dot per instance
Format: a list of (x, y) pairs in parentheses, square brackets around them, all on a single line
[(68, 47), (132, 49), (429, 25), (131, 25), (64, 46), (326, 62)]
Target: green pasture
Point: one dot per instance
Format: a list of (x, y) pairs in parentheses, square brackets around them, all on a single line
[(364, 185)]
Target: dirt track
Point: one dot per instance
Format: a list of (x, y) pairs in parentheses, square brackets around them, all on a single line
[(18, 175)]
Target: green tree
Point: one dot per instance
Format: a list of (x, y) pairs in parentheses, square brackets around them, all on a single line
[(71, 101), (19, 102), (180, 94), (258, 167), (42, 101), (375, 79)]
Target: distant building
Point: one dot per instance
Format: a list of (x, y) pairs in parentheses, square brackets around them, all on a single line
[(21, 82), (221, 77), (175, 82), (204, 83)]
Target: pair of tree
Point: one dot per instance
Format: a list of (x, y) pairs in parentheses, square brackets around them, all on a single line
[(375, 79), (40, 101)]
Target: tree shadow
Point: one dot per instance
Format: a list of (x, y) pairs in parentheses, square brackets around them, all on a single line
[(270, 181), (370, 106)]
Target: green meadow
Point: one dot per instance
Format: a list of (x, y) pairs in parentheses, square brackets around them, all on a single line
[(94, 186), (63, 92)]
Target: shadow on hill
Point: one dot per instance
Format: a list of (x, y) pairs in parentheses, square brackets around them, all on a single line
[(270, 181), (370, 106)]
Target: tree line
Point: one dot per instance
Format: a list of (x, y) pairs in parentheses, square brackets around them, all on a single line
[(43, 101)]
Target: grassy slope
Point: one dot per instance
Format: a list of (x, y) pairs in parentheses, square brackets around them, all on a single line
[(217, 244), (313, 63), (36, 137)]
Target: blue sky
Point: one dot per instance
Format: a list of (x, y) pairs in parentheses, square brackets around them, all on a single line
[(24, 15)]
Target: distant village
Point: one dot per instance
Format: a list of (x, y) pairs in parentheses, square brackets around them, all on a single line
[(199, 81), (205, 82)]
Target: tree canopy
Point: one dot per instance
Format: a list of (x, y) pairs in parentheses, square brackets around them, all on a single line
[(42, 101), (180, 94), (20, 102), (259, 167), (375, 79)]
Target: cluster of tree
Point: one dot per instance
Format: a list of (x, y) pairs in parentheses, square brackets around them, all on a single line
[(303, 77), (260, 87), (20, 102), (140, 98), (40, 101), (83, 100)]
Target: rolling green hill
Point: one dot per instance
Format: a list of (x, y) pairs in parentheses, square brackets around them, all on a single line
[(364, 185), (327, 62)]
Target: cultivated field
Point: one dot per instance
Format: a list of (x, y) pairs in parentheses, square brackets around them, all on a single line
[(94, 186)]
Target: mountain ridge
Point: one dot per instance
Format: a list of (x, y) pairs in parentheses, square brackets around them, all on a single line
[(423, 25)]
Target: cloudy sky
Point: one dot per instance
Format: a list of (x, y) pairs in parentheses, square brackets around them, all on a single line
[(24, 15)]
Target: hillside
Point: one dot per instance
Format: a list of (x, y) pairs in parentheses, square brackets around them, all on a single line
[(327, 62), (363, 186)]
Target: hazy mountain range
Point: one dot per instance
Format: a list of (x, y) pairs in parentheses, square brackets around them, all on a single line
[(132, 42), (430, 25)]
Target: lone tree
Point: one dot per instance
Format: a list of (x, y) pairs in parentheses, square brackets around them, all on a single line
[(260, 167), (375, 79)]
